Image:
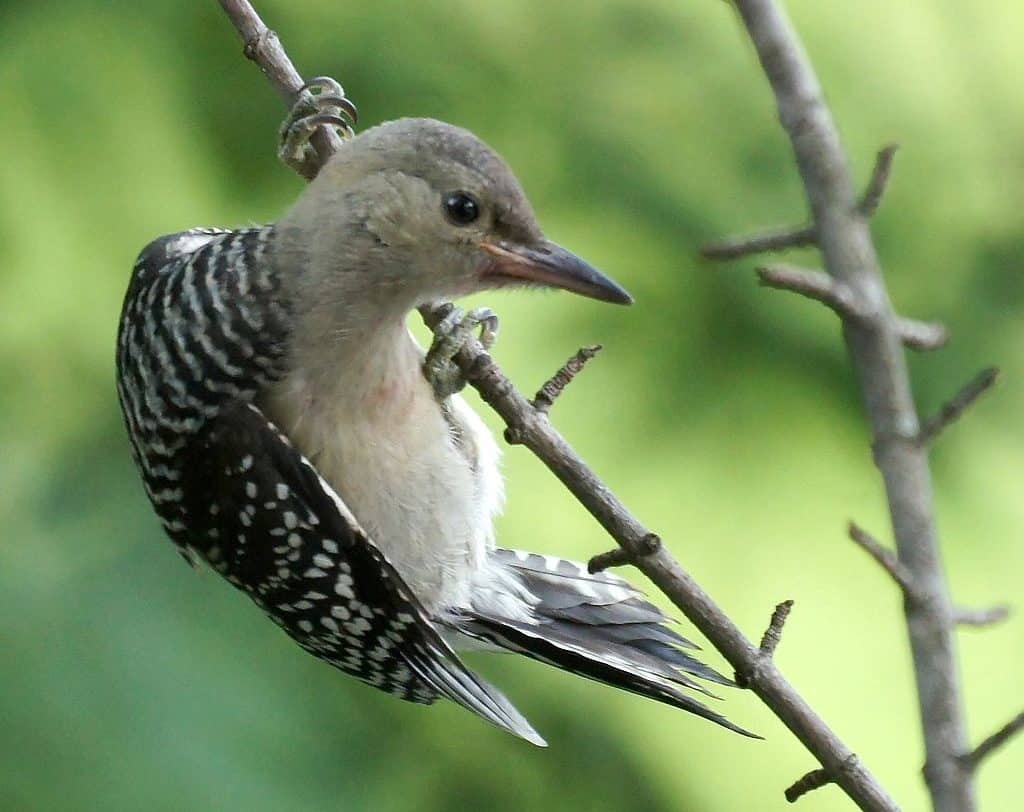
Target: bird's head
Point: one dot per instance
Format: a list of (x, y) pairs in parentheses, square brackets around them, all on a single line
[(416, 210)]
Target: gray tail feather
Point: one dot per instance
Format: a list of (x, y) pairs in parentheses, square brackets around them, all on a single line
[(600, 627), (446, 674)]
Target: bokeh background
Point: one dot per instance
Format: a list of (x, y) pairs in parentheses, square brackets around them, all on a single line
[(725, 415)]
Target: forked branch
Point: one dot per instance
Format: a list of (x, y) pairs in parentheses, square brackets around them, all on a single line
[(875, 335)]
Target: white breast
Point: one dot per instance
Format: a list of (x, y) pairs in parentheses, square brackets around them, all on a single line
[(378, 436)]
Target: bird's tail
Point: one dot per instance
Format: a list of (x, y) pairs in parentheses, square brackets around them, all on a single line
[(596, 626)]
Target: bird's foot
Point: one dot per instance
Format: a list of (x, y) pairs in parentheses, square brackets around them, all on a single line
[(320, 101), (451, 334)]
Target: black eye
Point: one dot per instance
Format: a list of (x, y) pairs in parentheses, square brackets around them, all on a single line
[(461, 208)]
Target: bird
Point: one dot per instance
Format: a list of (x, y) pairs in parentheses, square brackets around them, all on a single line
[(292, 434)]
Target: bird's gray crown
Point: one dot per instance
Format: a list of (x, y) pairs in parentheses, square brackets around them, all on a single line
[(444, 156)]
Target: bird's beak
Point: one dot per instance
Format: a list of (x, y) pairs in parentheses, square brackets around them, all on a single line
[(551, 265)]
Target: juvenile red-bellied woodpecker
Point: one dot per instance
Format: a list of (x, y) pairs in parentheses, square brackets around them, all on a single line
[(291, 432)]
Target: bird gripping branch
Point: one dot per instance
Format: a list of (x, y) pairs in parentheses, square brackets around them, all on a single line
[(292, 434)]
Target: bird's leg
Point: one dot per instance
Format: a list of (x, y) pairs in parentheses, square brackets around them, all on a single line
[(320, 101), (450, 335)]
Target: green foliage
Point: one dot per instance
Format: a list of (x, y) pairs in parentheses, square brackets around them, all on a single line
[(724, 415)]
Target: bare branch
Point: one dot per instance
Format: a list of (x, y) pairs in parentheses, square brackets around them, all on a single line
[(981, 618), (815, 779), (973, 759), (837, 296), (874, 346), (620, 556), (801, 236), (879, 181), (921, 335), (734, 248), (555, 385), (773, 634), (883, 555), (616, 557), (533, 429), (769, 642), (953, 408), (816, 285)]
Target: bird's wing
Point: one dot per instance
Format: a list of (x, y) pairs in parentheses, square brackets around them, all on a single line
[(202, 324), (267, 521)]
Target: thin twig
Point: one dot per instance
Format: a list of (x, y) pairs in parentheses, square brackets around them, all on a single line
[(981, 618), (973, 759), (555, 385), (876, 352), (769, 642), (815, 779), (536, 433), (885, 557), (815, 285), (801, 236), (773, 634), (837, 296), (953, 408), (879, 181), (780, 240), (620, 556), (921, 335), (615, 557)]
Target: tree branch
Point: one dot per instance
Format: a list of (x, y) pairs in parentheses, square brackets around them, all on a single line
[(801, 236), (535, 431), (874, 339), (780, 240), (981, 618), (886, 559), (879, 181), (957, 405), (816, 779), (773, 634), (838, 297), (973, 759), (555, 385)]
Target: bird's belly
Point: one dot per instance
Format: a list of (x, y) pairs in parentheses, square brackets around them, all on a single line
[(410, 487)]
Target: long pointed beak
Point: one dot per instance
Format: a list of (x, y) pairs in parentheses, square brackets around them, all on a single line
[(550, 264)]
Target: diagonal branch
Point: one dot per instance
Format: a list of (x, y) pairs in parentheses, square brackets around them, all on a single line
[(555, 385), (534, 430), (885, 557), (816, 779), (973, 759), (952, 410), (839, 297), (262, 46)]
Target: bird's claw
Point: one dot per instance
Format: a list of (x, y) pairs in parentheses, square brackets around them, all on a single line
[(321, 101), (451, 334)]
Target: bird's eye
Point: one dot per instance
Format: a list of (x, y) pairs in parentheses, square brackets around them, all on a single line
[(461, 208)]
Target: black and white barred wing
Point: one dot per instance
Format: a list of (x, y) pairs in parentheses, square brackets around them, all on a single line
[(275, 529)]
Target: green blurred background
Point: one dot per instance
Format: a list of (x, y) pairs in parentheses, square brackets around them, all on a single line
[(726, 416)]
